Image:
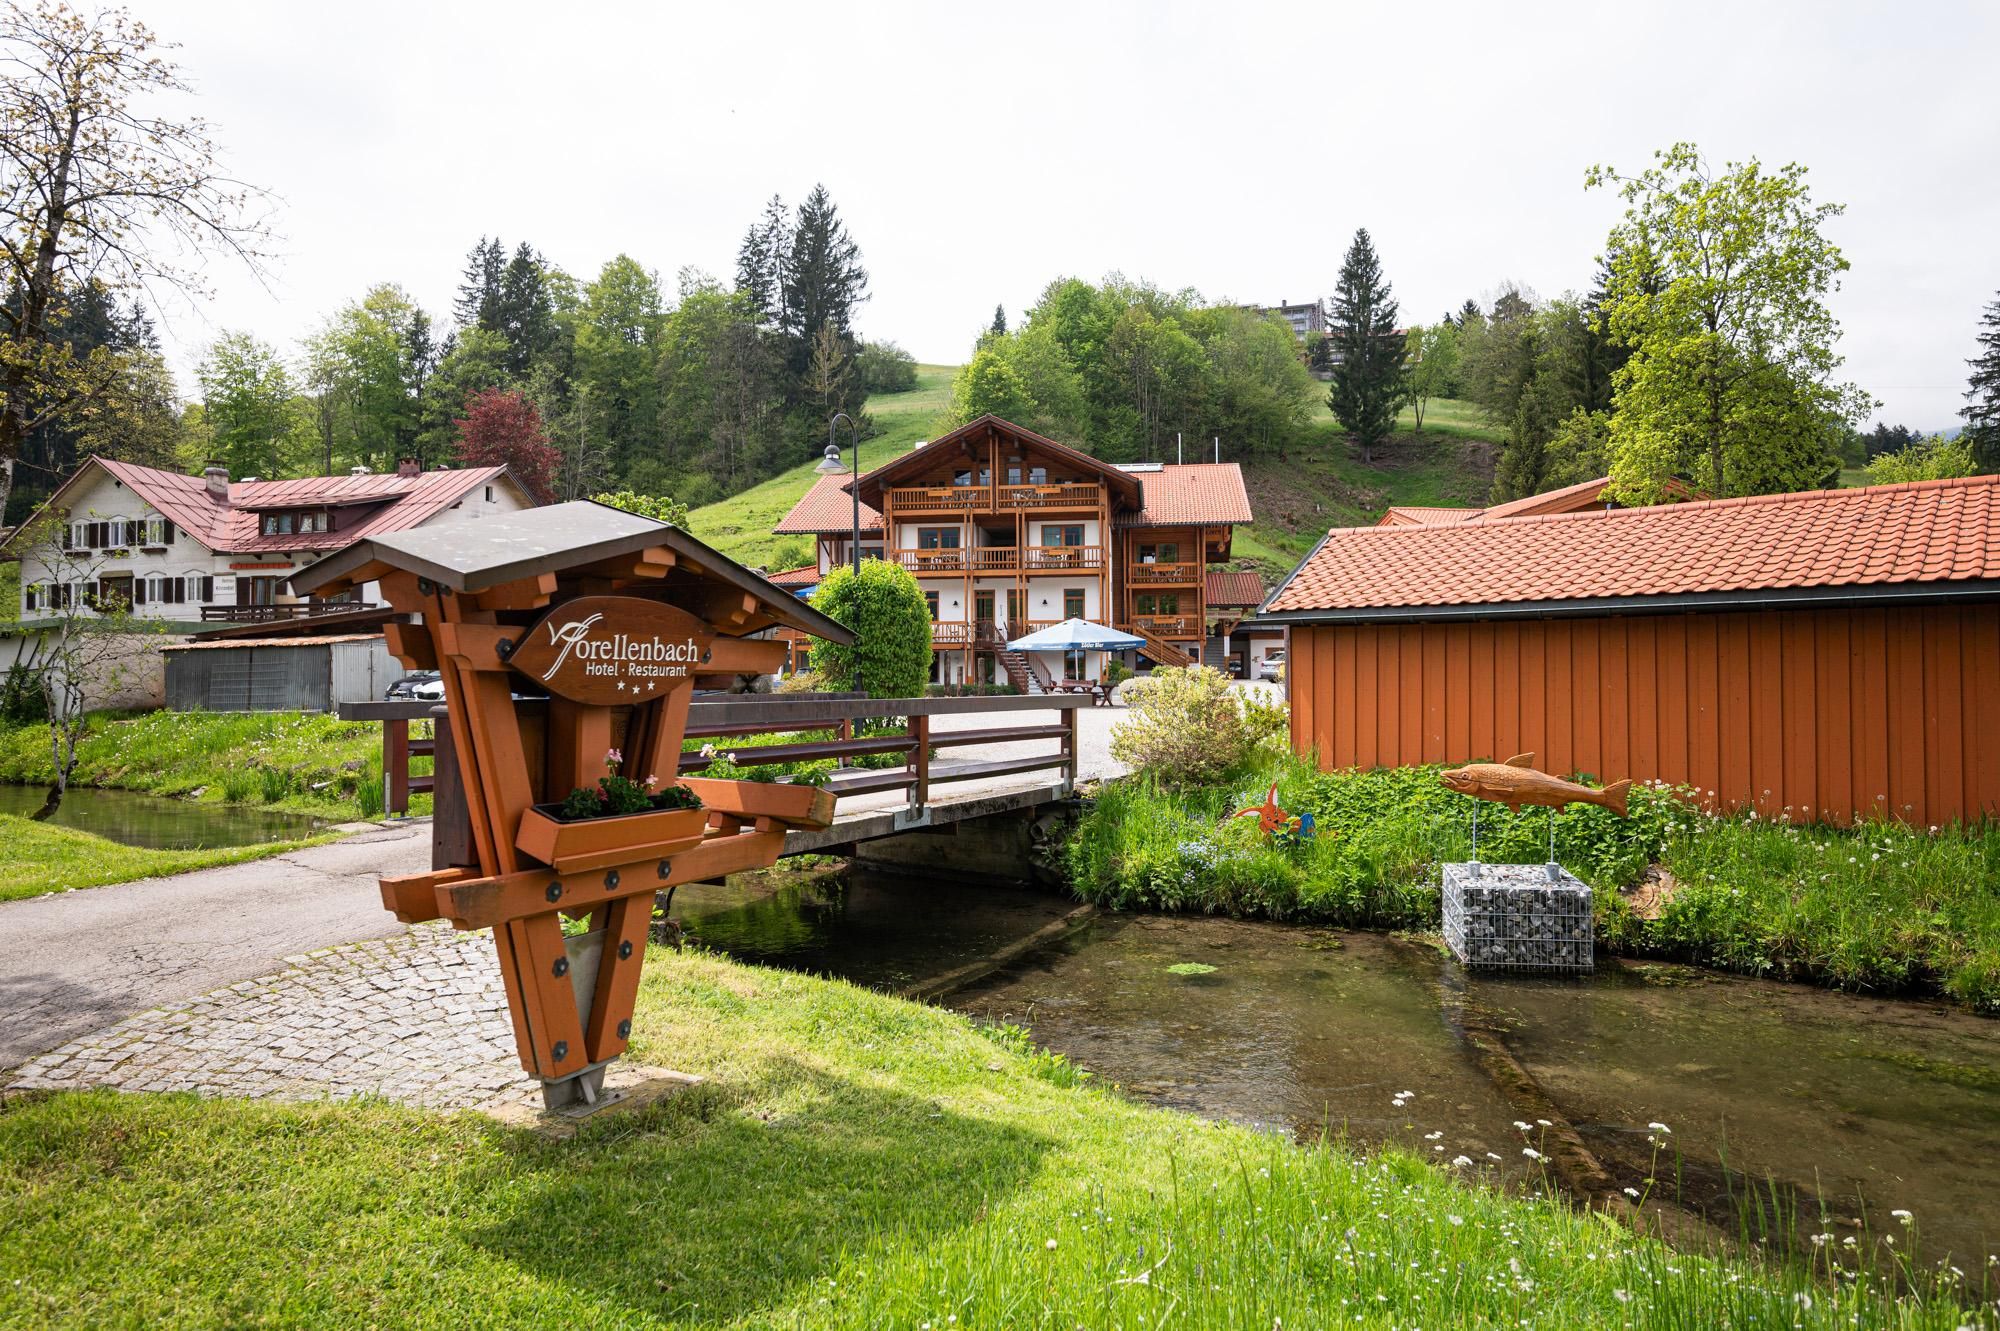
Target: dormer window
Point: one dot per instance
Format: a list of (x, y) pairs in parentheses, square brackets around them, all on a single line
[(294, 520)]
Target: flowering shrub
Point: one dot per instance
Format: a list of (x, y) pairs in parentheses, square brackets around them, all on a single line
[(615, 794), (1182, 727)]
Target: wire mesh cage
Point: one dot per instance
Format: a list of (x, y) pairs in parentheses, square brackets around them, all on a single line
[(1518, 917)]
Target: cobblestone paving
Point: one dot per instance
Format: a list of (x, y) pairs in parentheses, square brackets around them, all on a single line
[(420, 1018)]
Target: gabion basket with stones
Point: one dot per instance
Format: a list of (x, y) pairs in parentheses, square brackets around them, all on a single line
[(1514, 917)]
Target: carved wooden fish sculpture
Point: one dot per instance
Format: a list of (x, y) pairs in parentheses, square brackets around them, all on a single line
[(1516, 782)]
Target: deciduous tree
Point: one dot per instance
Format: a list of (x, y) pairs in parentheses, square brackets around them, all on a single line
[(98, 187), (1718, 283), (503, 428), (1369, 354), (891, 655), (250, 405)]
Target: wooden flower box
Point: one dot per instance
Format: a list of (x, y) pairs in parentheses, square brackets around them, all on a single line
[(588, 843)]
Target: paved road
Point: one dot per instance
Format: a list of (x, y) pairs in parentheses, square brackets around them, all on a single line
[(84, 959)]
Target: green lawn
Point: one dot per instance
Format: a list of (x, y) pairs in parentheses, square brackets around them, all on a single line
[(852, 1160), (37, 858), (740, 526), (303, 762)]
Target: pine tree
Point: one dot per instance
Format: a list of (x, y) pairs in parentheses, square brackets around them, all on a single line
[(824, 281), (1982, 412), (1370, 354), (478, 300), (999, 320), (525, 311), (762, 262), (1466, 312)]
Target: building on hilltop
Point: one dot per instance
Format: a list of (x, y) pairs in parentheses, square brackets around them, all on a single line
[(205, 548), (1008, 532)]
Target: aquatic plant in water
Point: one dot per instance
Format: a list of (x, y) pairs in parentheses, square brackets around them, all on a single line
[(1190, 968)]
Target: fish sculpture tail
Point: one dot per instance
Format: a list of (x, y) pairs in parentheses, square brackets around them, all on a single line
[(1614, 796)]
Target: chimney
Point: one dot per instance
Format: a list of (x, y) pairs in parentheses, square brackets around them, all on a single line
[(360, 469), (217, 477), (409, 467)]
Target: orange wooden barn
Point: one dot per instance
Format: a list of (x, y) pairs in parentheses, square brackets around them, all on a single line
[(1821, 656)]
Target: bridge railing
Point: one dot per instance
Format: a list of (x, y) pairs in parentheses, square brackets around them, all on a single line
[(720, 718)]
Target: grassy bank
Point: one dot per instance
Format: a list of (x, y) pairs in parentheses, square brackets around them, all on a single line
[(852, 1161), (301, 762), (37, 858), (1881, 907)]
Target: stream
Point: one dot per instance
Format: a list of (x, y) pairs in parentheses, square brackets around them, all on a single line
[(1870, 1105), (156, 823)]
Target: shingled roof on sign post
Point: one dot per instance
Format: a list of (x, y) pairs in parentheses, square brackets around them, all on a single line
[(1930, 541)]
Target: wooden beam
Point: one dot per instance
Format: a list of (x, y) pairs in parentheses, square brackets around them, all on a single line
[(523, 594), (411, 644), (746, 656), (485, 902)]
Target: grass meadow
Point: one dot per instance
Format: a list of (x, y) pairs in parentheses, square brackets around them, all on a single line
[(851, 1160)]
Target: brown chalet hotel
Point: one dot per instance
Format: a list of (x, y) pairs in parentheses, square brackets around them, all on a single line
[(1008, 532)]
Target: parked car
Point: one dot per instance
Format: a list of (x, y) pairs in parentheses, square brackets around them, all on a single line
[(1272, 667), (417, 686)]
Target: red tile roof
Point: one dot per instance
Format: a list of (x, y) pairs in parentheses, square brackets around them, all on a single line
[(231, 524), (792, 579), (1923, 535), (1579, 498), (1195, 492), (1418, 515), (827, 509), (1234, 587)]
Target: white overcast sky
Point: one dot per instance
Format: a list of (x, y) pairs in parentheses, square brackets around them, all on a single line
[(976, 152)]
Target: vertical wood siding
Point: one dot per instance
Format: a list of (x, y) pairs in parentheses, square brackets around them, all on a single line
[(1827, 713)]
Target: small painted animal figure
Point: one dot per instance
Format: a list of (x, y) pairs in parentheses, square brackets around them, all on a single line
[(1516, 782), (1269, 816)]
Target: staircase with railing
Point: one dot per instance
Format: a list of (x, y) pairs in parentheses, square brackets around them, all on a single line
[(1165, 652)]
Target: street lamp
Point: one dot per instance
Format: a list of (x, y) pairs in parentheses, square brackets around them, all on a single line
[(830, 465)]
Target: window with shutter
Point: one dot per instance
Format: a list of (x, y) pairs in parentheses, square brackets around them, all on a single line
[(166, 532), (207, 588), (139, 590)]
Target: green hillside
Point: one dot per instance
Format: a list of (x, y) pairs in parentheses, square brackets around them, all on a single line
[(1295, 496), (740, 526)]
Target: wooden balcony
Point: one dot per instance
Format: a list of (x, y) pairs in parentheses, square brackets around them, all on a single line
[(941, 499), (959, 633), (1047, 558), (1061, 495), (1184, 574), (1168, 626), (1002, 559), (271, 614)]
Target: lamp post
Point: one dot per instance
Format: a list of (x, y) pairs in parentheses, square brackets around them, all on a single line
[(830, 465)]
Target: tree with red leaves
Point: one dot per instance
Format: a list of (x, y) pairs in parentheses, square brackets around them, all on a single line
[(502, 428)]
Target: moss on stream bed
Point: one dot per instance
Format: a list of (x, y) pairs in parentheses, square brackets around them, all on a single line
[(853, 1160)]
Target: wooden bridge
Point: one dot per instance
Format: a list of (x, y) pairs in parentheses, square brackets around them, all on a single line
[(918, 776)]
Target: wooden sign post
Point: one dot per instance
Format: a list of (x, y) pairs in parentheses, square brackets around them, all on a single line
[(571, 640)]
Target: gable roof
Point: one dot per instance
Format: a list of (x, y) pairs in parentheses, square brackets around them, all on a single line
[(1925, 541), (827, 510), (1579, 498), (1233, 587), (796, 579), (230, 524), (1179, 494), (473, 556), (917, 459)]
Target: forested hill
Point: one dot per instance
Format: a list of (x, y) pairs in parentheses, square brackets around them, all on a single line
[(1296, 495)]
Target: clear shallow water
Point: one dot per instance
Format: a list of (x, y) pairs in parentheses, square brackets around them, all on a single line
[(1870, 1104), (133, 819)]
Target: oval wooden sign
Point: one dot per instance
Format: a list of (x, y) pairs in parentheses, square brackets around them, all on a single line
[(609, 650)]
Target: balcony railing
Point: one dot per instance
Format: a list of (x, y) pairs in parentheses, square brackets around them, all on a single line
[(1061, 495), (1002, 559), (994, 498), (1185, 573), (1168, 626), (941, 498), (271, 614), (1041, 558)]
